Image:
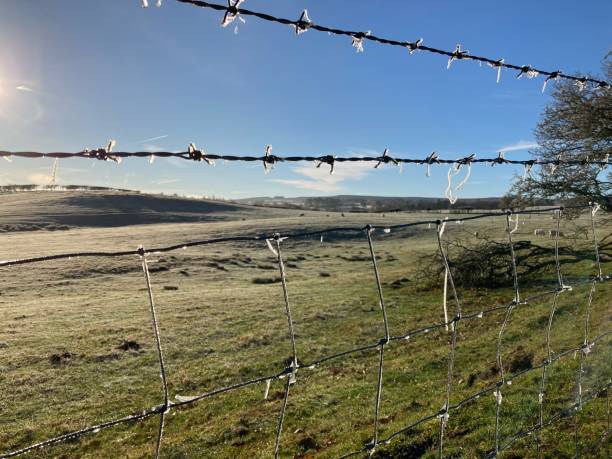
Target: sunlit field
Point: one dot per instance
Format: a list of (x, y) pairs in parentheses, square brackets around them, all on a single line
[(77, 346)]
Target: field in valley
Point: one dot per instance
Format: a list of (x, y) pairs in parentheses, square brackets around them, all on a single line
[(76, 344)]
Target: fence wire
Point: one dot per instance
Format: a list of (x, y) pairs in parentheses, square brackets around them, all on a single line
[(233, 10), (268, 160), (275, 241)]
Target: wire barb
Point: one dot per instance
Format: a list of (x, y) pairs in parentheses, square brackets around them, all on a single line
[(328, 159), (497, 65), (553, 77), (269, 160), (196, 155), (303, 23), (357, 40), (458, 54), (414, 46), (385, 159), (104, 153), (232, 12)]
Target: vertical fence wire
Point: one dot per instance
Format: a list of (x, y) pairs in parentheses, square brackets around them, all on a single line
[(594, 209), (160, 355), (586, 347), (294, 360), (561, 287), (444, 413), (382, 342), (583, 354), (546, 363), (508, 313)]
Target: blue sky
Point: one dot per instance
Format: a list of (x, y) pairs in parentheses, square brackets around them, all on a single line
[(74, 73)]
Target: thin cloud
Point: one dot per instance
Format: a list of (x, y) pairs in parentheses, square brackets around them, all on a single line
[(310, 185), (25, 88), (39, 179), (520, 145), (319, 179), (166, 182)]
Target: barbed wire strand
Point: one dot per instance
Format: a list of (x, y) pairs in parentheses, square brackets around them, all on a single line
[(289, 372), (102, 154), (359, 36)]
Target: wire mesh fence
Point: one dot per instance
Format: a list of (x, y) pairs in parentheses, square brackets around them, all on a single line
[(516, 315)]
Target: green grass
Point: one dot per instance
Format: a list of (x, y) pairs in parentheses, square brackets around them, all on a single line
[(64, 326)]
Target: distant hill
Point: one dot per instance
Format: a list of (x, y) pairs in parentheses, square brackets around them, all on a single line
[(54, 210), (354, 203)]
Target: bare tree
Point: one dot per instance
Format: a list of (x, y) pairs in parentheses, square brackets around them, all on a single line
[(576, 125)]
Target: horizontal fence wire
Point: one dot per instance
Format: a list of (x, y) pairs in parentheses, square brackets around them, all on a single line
[(288, 235), (275, 241), (233, 10)]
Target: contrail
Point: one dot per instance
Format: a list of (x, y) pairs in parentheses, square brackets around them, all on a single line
[(153, 138)]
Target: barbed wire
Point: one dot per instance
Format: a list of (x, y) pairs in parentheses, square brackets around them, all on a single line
[(232, 11), (269, 160), (274, 242)]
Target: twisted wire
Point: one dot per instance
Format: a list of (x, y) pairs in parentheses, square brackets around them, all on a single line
[(200, 156), (359, 36)]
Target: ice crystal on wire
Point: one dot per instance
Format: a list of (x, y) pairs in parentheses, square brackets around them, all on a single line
[(581, 84), (498, 66), (357, 42), (528, 71), (412, 47), (232, 12), (456, 55), (303, 24)]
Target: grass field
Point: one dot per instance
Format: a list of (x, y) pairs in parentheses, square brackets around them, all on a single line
[(76, 345)]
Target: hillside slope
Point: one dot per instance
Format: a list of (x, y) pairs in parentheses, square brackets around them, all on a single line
[(65, 209)]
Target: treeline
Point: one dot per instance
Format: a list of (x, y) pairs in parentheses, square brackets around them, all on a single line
[(391, 204), (31, 187), (351, 203)]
